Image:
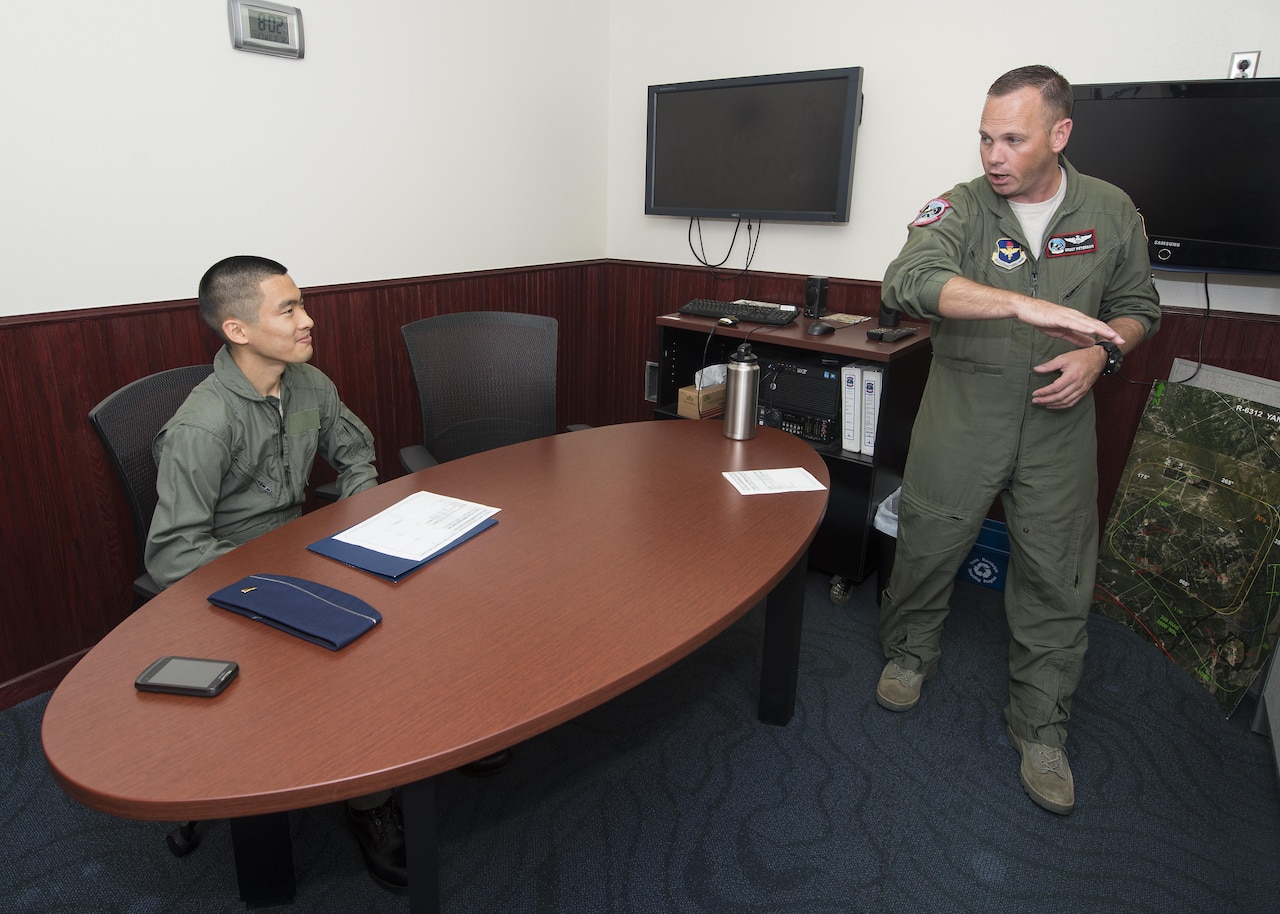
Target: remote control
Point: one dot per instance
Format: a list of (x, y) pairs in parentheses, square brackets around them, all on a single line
[(890, 334)]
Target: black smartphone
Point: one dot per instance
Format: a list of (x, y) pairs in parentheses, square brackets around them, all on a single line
[(187, 676)]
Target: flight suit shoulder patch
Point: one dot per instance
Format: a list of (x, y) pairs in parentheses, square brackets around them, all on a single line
[(934, 211)]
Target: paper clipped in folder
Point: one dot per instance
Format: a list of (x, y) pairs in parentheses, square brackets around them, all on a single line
[(402, 538)]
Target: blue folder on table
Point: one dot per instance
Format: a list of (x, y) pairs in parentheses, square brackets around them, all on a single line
[(322, 615), (391, 567)]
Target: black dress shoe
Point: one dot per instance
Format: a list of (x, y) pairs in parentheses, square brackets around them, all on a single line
[(380, 834), (490, 764)]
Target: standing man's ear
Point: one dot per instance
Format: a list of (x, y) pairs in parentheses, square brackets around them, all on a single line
[(1059, 134)]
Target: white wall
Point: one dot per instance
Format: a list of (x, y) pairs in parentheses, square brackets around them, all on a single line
[(927, 65), (416, 137), (422, 137)]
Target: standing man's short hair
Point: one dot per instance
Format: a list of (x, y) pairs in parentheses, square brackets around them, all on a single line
[(1052, 85), (230, 289)]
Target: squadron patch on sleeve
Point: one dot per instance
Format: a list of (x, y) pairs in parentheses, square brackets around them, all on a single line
[(933, 211)]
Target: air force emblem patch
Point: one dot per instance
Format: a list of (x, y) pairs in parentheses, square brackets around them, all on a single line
[(933, 211), (1008, 254)]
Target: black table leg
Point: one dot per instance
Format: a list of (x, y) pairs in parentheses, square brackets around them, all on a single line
[(780, 664), (264, 859), (422, 854)]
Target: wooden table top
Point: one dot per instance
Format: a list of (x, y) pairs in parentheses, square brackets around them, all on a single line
[(848, 340), (618, 550)]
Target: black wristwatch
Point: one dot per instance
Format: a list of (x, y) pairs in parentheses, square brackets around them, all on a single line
[(1115, 358)]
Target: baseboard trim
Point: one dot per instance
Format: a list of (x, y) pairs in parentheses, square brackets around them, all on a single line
[(37, 682)]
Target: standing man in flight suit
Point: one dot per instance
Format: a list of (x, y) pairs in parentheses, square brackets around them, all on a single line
[(1037, 282)]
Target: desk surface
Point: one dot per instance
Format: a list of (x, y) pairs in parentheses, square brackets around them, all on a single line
[(849, 340), (618, 550)]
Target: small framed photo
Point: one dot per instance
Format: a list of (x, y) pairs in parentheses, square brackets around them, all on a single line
[(265, 28)]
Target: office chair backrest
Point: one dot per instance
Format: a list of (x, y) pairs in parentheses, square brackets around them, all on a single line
[(127, 421), (485, 379)]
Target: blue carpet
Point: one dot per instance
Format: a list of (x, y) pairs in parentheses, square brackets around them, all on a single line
[(672, 798)]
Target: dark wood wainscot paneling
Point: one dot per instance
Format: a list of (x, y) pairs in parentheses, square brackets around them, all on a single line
[(67, 557)]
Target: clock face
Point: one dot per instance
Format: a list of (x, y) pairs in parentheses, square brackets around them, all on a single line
[(268, 26), (265, 27)]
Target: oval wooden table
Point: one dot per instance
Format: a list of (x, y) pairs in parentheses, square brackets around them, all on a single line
[(618, 550)]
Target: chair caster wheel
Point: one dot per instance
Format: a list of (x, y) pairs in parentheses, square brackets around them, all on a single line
[(490, 764), (183, 840), (841, 590)]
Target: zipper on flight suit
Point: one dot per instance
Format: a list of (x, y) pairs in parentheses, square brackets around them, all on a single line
[(284, 444)]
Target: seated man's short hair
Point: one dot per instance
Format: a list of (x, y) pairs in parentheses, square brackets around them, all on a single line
[(230, 289)]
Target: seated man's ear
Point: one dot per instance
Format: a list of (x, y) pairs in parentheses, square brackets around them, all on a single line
[(233, 329)]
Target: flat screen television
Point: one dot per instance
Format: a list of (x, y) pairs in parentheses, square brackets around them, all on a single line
[(1201, 161), (774, 147)]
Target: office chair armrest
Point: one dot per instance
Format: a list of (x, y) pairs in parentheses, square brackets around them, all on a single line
[(576, 428), (327, 492), (415, 457), (145, 587)]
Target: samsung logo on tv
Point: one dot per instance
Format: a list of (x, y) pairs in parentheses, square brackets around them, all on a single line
[(1168, 244)]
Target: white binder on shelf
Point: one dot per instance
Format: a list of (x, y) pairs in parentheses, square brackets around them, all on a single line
[(851, 407), (872, 384)]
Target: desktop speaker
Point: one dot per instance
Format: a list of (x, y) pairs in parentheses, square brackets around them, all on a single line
[(815, 296)]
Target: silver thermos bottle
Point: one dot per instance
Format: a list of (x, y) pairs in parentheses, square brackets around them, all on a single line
[(741, 394)]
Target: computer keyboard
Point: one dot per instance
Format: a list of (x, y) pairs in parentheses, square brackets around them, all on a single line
[(757, 312)]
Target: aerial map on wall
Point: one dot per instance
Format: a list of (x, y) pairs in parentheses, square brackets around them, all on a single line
[(1190, 557)]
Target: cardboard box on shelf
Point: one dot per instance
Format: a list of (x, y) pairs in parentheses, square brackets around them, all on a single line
[(706, 403)]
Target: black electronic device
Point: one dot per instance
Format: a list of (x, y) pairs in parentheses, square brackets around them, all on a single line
[(775, 147), (819, 328), (800, 394), (815, 296), (1198, 158), (742, 309), (187, 676), (890, 334)]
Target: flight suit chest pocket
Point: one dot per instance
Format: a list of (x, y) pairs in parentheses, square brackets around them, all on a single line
[(306, 420), (302, 439)]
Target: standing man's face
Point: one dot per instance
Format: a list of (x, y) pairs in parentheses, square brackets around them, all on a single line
[(1019, 145)]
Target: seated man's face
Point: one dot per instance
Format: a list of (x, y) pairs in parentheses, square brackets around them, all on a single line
[(283, 329)]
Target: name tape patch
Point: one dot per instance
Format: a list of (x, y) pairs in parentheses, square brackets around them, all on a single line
[(1069, 243)]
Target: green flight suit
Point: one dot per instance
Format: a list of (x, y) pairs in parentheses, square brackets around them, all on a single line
[(234, 464), (979, 436)]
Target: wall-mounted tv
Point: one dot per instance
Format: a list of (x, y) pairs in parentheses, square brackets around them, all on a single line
[(1201, 160), (774, 147)]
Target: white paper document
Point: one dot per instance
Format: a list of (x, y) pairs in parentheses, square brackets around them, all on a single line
[(761, 482), (417, 526)]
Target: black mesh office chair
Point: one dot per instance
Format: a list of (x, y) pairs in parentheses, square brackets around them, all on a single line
[(485, 379), (127, 421)]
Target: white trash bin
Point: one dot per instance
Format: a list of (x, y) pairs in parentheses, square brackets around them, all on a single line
[(886, 524)]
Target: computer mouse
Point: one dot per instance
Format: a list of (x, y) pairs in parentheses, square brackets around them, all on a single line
[(818, 328)]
